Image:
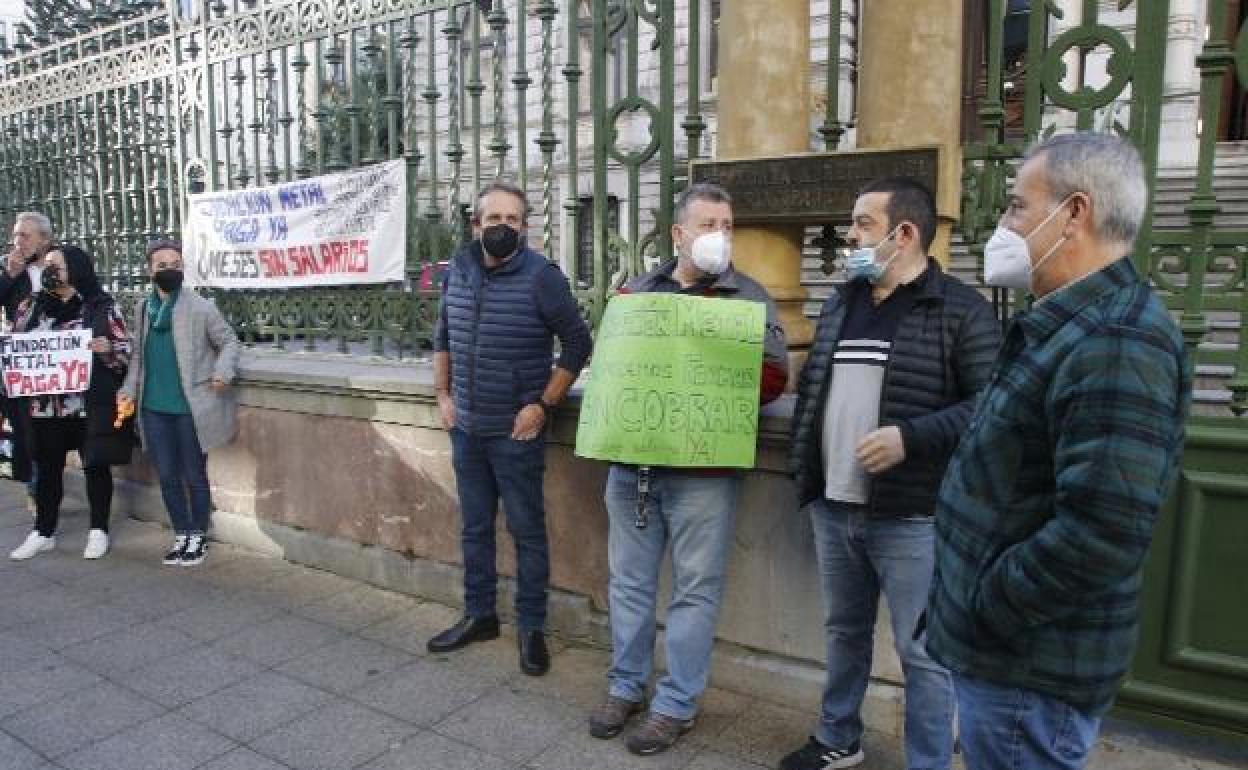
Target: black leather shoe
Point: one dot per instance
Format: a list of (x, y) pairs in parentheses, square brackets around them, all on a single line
[(534, 657), (464, 633)]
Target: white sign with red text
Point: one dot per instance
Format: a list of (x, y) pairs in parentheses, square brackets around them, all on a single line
[(44, 363), (331, 230)]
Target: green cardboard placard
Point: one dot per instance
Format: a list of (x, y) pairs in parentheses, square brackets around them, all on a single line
[(674, 381)]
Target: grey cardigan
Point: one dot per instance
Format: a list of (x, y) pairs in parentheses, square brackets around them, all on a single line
[(207, 349)]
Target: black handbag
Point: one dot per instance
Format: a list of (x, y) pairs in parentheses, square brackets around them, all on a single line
[(105, 444)]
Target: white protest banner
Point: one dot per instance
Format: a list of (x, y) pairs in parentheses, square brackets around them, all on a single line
[(331, 230), (43, 363)]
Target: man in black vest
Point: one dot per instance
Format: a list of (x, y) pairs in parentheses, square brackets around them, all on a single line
[(502, 305), (22, 275)]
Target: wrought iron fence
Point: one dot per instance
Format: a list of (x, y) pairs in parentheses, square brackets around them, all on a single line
[(1082, 72), (108, 125)]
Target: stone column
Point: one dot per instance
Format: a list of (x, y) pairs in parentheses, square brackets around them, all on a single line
[(909, 90), (764, 110)]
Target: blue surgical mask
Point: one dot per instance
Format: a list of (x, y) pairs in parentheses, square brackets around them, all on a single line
[(862, 263)]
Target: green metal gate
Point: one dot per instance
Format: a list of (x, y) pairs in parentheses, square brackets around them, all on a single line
[(1191, 669), (108, 118)]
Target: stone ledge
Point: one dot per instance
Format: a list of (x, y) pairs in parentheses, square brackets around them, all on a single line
[(401, 393)]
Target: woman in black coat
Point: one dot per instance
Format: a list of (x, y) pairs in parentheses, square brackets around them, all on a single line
[(71, 298)]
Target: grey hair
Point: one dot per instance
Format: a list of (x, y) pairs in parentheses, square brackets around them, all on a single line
[(702, 191), (39, 220), (503, 187), (1107, 169)]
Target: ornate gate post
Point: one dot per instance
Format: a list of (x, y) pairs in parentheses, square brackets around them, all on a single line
[(765, 109), (909, 90)]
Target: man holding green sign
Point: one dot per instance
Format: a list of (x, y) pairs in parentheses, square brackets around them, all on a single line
[(682, 361)]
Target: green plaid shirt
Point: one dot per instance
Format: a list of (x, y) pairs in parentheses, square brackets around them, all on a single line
[(1047, 510)]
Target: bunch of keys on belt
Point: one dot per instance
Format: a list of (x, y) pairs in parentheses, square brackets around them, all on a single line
[(643, 497)]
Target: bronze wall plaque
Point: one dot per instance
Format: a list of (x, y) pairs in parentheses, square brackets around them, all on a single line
[(819, 188)]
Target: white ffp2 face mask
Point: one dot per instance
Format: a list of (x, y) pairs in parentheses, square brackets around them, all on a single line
[(1007, 257), (712, 252), (1007, 260)]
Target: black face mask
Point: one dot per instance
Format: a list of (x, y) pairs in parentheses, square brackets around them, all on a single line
[(52, 279), (168, 280), (500, 241)]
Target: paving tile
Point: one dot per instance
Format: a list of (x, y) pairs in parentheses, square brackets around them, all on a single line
[(301, 587), (242, 759), (20, 579), (78, 624), (347, 664), (110, 574), (183, 678), (764, 733), (577, 677), (255, 706), (340, 736), (514, 725), (710, 760), (497, 659), (38, 680), (160, 597), (130, 648), (430, 751), (355, 608), (79, 718), (166, 743), (45, 604), (222, 616), (578, 750), (16, 648), (276, 641), (424, 692), (412, 628), (717, 710), (17, 756)]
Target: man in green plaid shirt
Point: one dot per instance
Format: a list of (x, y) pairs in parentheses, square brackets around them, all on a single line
[(1047, 509)]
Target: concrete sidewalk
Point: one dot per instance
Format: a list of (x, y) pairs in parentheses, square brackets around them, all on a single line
[(249, 662)]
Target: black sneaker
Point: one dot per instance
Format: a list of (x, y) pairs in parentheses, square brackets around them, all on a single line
[(816, 756), (174, 557), (196, 547)]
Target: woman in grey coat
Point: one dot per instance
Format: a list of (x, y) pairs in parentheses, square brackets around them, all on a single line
[(185, 357)]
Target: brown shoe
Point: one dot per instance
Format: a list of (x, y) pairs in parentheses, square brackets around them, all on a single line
[(608, 719), (657, 732)]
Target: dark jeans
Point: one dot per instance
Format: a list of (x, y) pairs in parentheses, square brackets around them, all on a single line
[(182, 467), (54, 437), (487, 468)]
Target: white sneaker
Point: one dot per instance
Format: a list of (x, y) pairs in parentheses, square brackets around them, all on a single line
[(35, 544), (97, 544)]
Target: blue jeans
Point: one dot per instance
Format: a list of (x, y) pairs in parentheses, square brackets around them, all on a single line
[(487, 468), (695, 514), (1009, 728), (182, 467), (859, 557)]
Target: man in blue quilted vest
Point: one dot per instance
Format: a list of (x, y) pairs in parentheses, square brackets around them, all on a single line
[(502, 306)]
